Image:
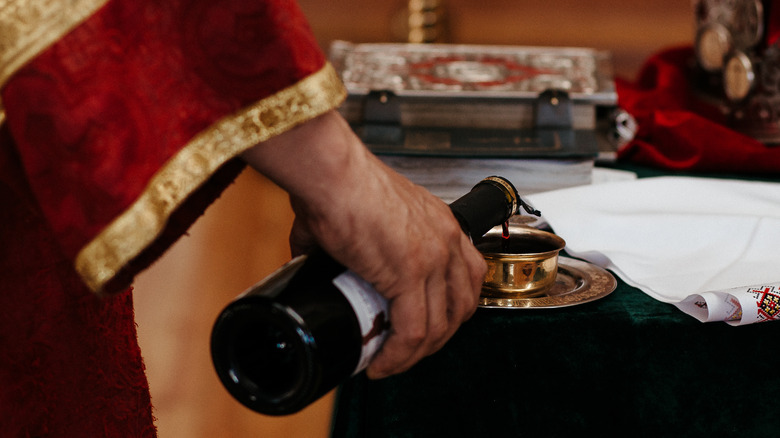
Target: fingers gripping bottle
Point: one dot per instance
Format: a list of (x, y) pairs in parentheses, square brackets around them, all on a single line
[(294, 336)]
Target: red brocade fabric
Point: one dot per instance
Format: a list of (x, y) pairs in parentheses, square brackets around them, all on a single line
[(89, 122), (97, 114), (677, 131), (70, 365)]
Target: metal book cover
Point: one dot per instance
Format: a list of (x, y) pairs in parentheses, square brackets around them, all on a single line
[(475, 100)]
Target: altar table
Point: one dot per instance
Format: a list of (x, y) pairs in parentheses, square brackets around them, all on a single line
[(625, 365)]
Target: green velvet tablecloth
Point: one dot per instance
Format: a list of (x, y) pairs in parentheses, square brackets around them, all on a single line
[(626, 365)]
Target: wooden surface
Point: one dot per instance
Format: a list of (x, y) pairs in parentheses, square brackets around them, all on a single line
[(243, 236), (630, 29)]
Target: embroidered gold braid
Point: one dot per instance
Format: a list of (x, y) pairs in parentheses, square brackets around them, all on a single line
[(124, 239), (27, 27)]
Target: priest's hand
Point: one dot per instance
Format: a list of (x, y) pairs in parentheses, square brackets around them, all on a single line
[(391, 232)]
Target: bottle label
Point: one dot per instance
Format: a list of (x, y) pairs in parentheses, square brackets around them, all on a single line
[(371, 311)]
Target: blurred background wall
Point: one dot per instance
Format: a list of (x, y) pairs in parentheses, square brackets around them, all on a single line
[(630, 29), (243, 236)]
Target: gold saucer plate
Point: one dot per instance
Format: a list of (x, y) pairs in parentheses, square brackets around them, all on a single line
[(577, 282)]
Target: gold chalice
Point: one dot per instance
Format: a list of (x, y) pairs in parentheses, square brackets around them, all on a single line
[(524, 265)]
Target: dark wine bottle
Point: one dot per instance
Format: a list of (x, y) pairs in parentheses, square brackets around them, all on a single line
[(299, 333)]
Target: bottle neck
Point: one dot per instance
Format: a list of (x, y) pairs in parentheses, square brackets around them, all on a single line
[(491, 202)]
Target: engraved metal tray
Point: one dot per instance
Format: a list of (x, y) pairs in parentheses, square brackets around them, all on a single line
[(578, 282)]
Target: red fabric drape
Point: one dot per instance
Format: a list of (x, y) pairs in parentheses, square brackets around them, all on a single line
[(89, 122), (97, 114), (70, 365), (677, 130)]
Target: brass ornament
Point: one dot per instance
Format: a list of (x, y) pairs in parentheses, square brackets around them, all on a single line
[(524, 265), (738, 76), (577, 282), (713, 42)]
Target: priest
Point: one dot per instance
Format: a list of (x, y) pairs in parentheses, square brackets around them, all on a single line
[(122, 120)]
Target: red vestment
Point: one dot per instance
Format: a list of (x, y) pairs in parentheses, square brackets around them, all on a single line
[(117, 134)]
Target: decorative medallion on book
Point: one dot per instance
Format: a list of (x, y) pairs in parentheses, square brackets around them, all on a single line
[(474, 69)]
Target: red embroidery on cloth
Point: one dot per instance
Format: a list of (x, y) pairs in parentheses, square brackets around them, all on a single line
[(768, 303)]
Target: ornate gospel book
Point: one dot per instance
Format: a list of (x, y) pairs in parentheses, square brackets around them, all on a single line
[(440, 113), (475, 100)]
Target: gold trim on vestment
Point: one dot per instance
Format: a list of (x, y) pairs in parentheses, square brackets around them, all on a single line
[(140, 225), (28, 27)]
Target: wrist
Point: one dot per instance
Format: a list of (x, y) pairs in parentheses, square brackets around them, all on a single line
[(313, 161)]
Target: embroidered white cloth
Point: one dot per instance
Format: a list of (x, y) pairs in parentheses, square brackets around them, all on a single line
[(709, 246)]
